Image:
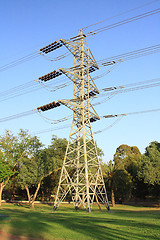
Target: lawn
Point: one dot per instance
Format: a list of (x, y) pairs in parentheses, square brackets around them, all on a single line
[(122, 222)]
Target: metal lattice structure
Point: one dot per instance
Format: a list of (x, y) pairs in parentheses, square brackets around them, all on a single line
[(81, 174)]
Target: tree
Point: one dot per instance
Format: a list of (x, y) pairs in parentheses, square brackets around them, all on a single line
[(9, 157), (35, 169), (13, 149), (118, 181), (150, 166), (109, 177), (56, 151), (127, 158), (32, 172), (127, 161)]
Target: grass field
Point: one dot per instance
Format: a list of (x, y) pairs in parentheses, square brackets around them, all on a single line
[(122, 222)]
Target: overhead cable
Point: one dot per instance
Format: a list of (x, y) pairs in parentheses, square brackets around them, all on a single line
[(51, 129), (120, 116), (113, 92), (131, 113), (58, 44), (120, 23), (15, 116), (54, 86), (108, 127), (130, 55), (120, 14)]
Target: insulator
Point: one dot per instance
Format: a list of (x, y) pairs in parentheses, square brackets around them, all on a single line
[(51, 47), (93, 119), (49, 106), (110, 116), (109, 63), (50, 75)]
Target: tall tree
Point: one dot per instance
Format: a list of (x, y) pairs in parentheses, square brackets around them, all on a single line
[(150, 166), (118, 181), (9, 157), (127, 161), (12, 151), (34, 170), (128, 158), (109, 177), (56, 151)]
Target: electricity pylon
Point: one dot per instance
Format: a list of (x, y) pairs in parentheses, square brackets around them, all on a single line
[(81, 174)]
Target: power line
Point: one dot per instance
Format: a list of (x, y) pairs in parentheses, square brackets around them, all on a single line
[(131, 113), (113, 91), (120, 14), (27, 113), (120, 23), (130, 55), (30, 112), (135, 88), (31, 86), (15, 116), (110, 126), (119, 116), (19, 61), (51, 129), (38, 53)]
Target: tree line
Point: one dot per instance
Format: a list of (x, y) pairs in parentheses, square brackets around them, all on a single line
[(132, 175), (30, 171)]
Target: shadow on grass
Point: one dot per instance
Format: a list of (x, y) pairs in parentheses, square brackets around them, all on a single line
[(66, 223)]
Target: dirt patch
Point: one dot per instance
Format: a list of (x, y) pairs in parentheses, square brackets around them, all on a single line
[(8, 236)]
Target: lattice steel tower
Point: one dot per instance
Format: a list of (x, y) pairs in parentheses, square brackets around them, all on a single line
[(81, 174)]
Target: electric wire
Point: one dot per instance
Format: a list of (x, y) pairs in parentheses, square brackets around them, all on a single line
[(108, 71), (120, 23), (97, 103), (120, 116), (51, 121), (131, 84), (131, 113), (37, 53), (133, 54), (31, 86), (113, 93), (18, 61), (51, 129), (19, 115), (110, 126), (60, 57), (30, 112), (120, 14)]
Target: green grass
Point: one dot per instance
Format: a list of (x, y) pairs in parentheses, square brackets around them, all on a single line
[(122, 222)]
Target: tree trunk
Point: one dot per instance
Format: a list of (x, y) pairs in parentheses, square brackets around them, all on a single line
[(35, 195), (2, 185), (28, 194), (32, 204), (32, 200), (112, 198)]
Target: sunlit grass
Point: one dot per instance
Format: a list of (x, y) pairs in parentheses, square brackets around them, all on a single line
[(122, 222)]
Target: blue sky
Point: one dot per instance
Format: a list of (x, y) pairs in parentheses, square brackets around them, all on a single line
[(26, 26)]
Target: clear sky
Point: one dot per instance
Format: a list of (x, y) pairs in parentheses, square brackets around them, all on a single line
[(26, 26)]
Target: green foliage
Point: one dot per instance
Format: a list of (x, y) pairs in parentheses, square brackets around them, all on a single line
[(150, 166), (8, 155), (54, 154), (127, 158), (13, 149), (28, 173), (122, 173), (122, 184), (118, 181)]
